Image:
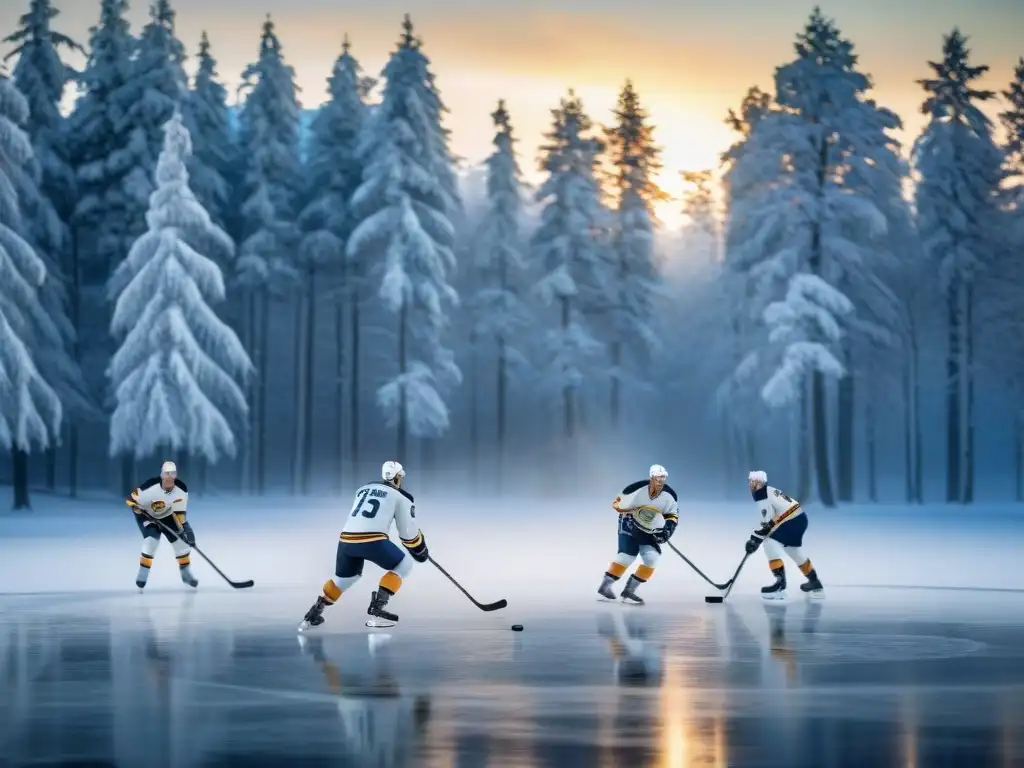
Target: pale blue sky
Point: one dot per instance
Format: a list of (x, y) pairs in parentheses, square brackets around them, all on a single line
[(691, 60)]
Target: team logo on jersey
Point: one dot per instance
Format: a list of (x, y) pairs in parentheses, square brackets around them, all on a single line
[(646, 515), (158, 506), (412, 511)]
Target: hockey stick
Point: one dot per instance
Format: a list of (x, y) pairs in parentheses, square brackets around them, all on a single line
[(177, 534), (700, 573), (497, 606), (730, 583)]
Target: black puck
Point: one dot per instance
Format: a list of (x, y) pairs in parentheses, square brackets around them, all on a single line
[(517, 627), (714, 599)]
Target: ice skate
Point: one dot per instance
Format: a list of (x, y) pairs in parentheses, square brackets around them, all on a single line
[(314, 616), (605, 590), (777, 590), (813, 587), (187, 577), (382, 618), (629, 595)]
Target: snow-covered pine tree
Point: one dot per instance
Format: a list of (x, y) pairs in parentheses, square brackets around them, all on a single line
[(109, 212), (701, 228), (41, 77), (500, 314), (334, 171), (1013, 123), (636, 283), (572, 245), (30, 410), (269, 142), (176, 373), (960, 170), (405, 206), (206, 117)]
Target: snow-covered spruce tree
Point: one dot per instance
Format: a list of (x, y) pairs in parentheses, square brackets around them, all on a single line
[(176, 374), (1013, 123), (571, 243), (334, 171), (960, 171), (269, 142), (30, 410), (635, 161), (405, 207), (498, 310), (47, 207), (206, 117)]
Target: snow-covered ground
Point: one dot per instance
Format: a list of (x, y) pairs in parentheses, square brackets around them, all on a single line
[(522, 549)]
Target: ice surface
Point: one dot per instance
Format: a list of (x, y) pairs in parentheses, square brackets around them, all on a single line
[(94, 672)]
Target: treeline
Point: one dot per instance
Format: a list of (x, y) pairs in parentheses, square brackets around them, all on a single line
[(307, 298)]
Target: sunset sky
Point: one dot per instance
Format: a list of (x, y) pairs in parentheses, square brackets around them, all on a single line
[(691, 60)]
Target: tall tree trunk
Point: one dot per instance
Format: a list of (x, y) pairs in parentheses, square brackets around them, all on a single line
[(403, 402), (261, 402), (307, 445), (339, 324), (823, 470), (968, 405), (908, 432), (73, 461), (501, 405), (953, 402), (616, 392), (872, 449), (804, 483), (474, 412), (353, 387), (51, 468), (303, 383), (19, 481), (76, 319), (844, 430)]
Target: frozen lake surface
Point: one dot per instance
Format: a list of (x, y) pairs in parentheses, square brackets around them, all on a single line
[(916, 657)]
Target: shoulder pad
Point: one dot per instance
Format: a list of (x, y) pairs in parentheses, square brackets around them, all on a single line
[(180, 483), (149, 483), (632, 487), (670, 491)]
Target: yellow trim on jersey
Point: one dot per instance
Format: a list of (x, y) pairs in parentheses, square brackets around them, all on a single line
[(786, 515), (671, 516), (362, 538), (414, 542)]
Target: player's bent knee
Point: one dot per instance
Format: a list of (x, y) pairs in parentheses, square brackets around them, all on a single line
[(644, 572), (342, 583), (616, 569), (331, 590), (391, 581), (650, 557), (404, 567), (624, 559)]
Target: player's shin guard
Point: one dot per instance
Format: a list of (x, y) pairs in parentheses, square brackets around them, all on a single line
[(642, 576), (813, 584), (613, 574), (184, 568), (145, 563), (776, 590)]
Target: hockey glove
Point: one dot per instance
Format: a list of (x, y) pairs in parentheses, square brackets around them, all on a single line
[(419, 553), (665, 533), (187, 535), (756, 538)]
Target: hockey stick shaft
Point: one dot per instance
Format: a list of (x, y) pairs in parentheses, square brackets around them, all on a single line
[(698, 571), (482, 606), (177, 534), (736, 575)]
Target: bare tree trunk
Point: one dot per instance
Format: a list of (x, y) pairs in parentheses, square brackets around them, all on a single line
[(249, 454), (19, 480), (51, 468), (339, 323), (968, 405), (403, 403), (819, 392), (804, 482), (908, 433), (844, 430), (953, 384), (1018, 458), (301, 372), (307, 446), (128, 479)]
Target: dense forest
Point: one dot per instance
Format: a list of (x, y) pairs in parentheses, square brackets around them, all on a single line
[(280, 298)]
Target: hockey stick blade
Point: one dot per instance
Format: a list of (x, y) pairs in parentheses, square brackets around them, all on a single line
[(235, 584), (495, 606), (697, 570)]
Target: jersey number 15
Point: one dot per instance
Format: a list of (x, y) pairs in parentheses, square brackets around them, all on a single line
[(363, 500)]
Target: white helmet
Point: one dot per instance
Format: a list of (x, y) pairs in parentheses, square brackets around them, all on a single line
[(758, 477), (168, 468), (391, 470), (658, 471)]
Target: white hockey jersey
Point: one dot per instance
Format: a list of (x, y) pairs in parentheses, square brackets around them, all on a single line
[(636, 500), (776, 507), (158, 503), (376, 506)]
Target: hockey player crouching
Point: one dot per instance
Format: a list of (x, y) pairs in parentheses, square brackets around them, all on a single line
[(648, 515), (163, 498), (365, 537), (783, 524)]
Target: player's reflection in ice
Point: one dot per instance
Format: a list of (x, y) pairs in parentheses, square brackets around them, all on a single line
[(637, 660), (382, 724), (783, 647)]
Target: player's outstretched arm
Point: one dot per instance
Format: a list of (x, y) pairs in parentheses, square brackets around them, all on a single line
[(408, 531)]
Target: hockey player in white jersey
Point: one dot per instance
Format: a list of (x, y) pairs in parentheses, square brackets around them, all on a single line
[(365, 537), (163, 498), (783, 524), (648, 515)]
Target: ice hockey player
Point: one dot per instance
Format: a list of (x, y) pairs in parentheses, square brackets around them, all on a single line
[(365, 537), (648, 515), (783, 524), (163, 498)]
